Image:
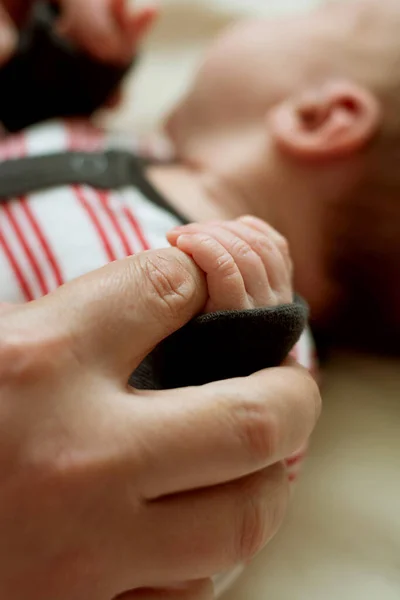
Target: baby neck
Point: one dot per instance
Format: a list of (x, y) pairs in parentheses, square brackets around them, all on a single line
[(196, 194)]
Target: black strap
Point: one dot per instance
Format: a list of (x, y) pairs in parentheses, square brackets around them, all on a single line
[(49, 77), (109, 170), (102, 170)]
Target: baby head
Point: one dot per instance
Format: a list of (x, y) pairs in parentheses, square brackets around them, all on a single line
[(300, 117)]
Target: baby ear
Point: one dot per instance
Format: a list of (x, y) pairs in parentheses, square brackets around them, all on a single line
[(334, 120)]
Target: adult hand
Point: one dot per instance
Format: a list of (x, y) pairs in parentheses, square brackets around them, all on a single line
[(105, 489), (110, 30)]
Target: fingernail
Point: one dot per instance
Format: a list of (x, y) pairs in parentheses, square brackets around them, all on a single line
[(182, 240), (8, 42)]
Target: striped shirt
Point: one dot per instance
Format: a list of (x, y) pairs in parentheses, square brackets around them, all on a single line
[(53, 236)]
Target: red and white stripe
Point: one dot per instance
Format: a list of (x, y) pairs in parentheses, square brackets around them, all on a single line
[(26, 250), (56, 235), (17, 281), (24, 243), (115, 222), (59, 234)]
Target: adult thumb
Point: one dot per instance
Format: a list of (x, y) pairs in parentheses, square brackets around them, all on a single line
[(115, 316), (8, 36), (196, 590)]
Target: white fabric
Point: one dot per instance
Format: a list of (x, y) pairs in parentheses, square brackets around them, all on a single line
[(342, 538), (52, 236)]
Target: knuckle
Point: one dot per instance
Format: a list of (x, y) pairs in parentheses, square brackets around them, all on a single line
[(27, 353), (241, 249), (11, 351), (207, 245), (264, 503), (262, 244), (258, 430), (225, 265), (172, 285)]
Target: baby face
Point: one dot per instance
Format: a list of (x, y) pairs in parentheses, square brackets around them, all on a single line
[(257, 64), (223, 125), (249, 69)]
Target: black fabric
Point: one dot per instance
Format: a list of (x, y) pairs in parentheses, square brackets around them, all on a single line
[(223, 345), (49, 77), (110, 169), (105, 170), (212, 347)]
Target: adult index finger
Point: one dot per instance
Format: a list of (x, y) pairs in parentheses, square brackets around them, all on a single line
[(115, 316), (200, 437)]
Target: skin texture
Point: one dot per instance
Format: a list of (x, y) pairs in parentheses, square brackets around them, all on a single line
[(295, 120), (246, 262), (109, 30), (93, 506), (87, 507), (106, 489)]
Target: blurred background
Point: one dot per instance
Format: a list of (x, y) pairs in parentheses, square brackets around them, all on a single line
[(342, 538), (175, 47)]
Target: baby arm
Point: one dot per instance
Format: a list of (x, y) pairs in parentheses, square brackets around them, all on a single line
[(246, 262)]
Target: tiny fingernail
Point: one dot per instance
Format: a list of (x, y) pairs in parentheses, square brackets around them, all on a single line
[(182, 239)]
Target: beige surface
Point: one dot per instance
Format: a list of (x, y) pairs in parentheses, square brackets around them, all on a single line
[(342, 538)]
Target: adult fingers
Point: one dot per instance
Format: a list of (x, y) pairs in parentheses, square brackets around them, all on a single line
[(199, 437), (92, 26), (212, 530), (113, 317), (195, 590), (107, 30)]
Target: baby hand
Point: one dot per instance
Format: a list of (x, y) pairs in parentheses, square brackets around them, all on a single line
[(108, 29), (246, 262)]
